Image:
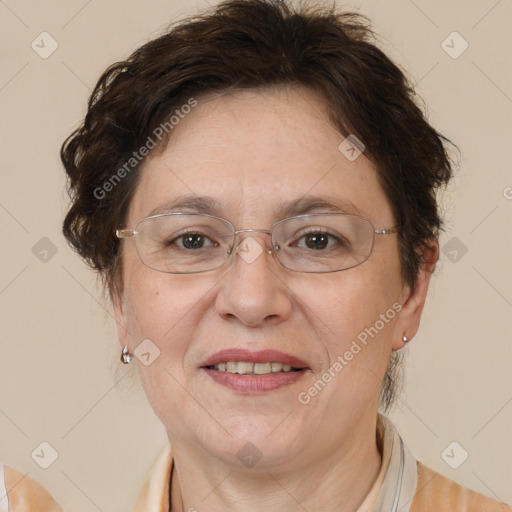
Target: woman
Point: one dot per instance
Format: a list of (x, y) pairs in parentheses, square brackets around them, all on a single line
[(257, 188)]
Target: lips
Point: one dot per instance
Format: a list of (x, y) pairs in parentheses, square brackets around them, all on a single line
[(250, 373)]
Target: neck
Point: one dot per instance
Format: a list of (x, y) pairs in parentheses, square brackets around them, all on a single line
[(338, 481)]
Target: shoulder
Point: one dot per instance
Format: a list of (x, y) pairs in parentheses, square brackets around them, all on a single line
[(436, 492), (26, 494)]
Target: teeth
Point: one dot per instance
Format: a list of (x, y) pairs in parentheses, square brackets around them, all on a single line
[(261, 368), (245, 368), (231, 367), (277, 367)]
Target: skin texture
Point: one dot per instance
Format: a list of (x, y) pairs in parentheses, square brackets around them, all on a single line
[(252, 151)]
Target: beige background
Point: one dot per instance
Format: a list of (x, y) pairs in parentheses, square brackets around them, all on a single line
[(59, 357)]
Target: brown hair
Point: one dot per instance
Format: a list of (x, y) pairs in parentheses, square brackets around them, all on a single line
[(251, 44)]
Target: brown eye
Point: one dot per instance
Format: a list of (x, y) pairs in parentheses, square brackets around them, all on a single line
[(317, 241), (192, 241)]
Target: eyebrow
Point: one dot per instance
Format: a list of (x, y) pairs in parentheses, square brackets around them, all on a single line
[(313, 204), (188, 204), (308, 204)]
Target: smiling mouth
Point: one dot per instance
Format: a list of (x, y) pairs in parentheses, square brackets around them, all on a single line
[(253, 369)]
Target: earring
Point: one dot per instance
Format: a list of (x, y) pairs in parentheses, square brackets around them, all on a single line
[(405, 339), (126, 357)]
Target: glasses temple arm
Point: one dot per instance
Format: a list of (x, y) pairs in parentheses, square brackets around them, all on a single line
[(387, 231), (125, 233)]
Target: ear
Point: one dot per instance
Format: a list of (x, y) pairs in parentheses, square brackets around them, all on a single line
[(119, 318), (408, 321)]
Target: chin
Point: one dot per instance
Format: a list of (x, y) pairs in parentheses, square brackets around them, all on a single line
[(256, 444)]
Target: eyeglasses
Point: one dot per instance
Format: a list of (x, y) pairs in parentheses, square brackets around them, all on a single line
[(182, 243)]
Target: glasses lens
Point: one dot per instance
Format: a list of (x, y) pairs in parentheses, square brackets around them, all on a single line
[(323, 242), (183, 244)]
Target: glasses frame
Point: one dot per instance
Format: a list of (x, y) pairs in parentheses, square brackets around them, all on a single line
[(122, 233)]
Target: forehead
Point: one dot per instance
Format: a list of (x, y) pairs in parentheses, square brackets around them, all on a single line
[(253, 151)]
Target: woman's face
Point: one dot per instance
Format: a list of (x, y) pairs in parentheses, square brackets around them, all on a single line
[(251, 153)]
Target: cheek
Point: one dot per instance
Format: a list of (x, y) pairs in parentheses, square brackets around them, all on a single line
[(355, 316), (152, 316), (348, 303), (167, 310), (164, 310)]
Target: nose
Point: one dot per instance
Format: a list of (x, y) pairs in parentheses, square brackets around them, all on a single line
[(253, 291)]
